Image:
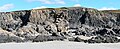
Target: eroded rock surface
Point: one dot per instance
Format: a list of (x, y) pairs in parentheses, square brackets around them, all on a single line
[(50, 24)]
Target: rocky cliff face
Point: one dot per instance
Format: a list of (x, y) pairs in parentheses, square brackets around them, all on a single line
[(59, 24)]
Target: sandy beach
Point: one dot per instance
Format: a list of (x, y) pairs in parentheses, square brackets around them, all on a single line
[(59, 45)]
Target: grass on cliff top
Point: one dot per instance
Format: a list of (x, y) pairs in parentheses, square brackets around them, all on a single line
[(112, 11), (62, 8)]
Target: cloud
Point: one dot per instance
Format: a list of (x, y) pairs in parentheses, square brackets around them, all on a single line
[(77, 5), (49, 1), (60, 1), (40, 7), (105, 8), (6, 7)]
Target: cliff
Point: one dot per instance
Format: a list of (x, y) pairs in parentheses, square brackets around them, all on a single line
[(50, 24)]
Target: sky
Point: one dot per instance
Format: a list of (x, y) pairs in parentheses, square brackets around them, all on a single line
[(13, 5)]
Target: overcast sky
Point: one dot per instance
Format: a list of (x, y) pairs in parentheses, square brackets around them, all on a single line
[(12, 5)]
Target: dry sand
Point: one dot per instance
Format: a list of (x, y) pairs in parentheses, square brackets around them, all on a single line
[(59, 45)]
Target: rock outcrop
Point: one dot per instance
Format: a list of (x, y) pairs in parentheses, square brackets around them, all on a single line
[(38, 25)]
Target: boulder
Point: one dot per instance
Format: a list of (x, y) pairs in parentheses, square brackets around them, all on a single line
[(77, 39)]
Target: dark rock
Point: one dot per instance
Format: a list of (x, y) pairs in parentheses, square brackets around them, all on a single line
[(71, 39), (54, 34), (77, 39), (90, 41), (6, 36), (42, 38), (118, 40), (103, 39), (15, 39)]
